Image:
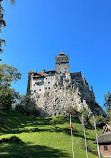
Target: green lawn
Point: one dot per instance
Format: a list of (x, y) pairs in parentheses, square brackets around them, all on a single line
[(43, 137)]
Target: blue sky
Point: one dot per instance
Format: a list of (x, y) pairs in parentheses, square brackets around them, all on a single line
[(38, 30)]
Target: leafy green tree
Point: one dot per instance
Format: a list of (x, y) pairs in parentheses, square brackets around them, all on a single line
[(8, 75), (27, 106), (3, 22), (107, 104), (85, 114), (8, 97), (100, 121), (107, 99), (73, 112)]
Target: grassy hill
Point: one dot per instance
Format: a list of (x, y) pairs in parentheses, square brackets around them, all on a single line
[(43, 137)]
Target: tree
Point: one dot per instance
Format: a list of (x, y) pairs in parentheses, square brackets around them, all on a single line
[(85, 114), (8, 75), (8, 97), (3, 22), (107, 104), (27, 106)]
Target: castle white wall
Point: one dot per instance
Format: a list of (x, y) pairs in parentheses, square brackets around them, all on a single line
[(44, 84), (41, 85), (49, 82), (38, 85)]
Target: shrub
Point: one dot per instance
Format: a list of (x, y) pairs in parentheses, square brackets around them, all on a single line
[(85, 114), (12, 139), (8, 96), (100, 121), (27, 106), (73, 112)]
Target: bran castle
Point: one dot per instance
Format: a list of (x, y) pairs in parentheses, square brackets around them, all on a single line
[(56, 91)]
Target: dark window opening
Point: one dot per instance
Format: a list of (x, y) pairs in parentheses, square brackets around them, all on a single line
[(49, 87), (46, 88), (39, 89), (105, 148), (65, 68), (46, 78), (48, 82)]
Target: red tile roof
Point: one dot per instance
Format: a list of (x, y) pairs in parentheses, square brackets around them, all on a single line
[(31, 72), (61, 53), (40, 73)]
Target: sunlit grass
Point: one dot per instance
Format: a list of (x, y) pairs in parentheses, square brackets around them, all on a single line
[(43, 137)]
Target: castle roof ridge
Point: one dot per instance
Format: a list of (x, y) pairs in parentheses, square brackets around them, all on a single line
[(31, 72), (61, 53)]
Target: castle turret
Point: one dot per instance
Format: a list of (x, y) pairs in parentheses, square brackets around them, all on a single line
[(62, 63), (29, 86)]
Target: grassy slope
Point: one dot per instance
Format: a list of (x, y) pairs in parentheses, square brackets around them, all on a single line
[(42, 137)]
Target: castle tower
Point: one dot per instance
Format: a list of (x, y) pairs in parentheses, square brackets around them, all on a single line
[(29, 86), (62, 63)]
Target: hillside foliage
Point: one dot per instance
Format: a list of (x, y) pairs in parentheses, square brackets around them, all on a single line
[(8, 75)]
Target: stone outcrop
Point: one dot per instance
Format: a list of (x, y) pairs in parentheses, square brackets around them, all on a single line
[(69, 90), (56, 90)]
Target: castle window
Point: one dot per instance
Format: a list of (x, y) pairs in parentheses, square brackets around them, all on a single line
[(45, 87), (48, 82), (39, 89), (46, 78), (105, 148), (49, 87), (60, 72), (34, 90), (65, 67)]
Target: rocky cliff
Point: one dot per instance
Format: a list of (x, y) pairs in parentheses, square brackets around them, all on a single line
[(69, 90)]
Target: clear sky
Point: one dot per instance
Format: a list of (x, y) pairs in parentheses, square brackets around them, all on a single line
[(37, 30)]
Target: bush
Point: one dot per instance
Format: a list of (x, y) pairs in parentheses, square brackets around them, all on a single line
[(85, 114), (58, 120), (100, 121), (8, 96), (12, 139), (27, 106), (73, 112)]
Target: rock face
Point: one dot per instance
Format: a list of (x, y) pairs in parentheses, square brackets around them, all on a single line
[(69, 90), (55, 91)]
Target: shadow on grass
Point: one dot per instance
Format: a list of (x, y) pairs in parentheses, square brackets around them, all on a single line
[(57, 129), (24, 150), (11, 121)]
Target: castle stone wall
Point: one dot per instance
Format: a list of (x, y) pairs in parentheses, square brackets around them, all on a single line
[(49, 81), (62, 64), (55, 91), (38, 85), (63, 95)]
